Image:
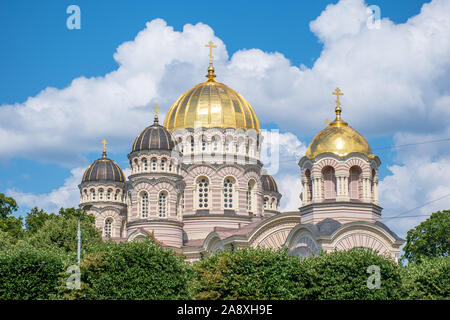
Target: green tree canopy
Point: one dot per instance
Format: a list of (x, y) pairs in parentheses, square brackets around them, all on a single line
[(430, 238), (60, 231), (7, 206), (133, 270), (35, 219)]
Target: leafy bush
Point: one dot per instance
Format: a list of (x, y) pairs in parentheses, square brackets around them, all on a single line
[(344, 275), (29, 273), (249, 274), (266, 274), (429, 279), (132, 270)]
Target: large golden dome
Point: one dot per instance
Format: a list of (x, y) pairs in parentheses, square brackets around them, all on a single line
[(211, 105), (338, 138)]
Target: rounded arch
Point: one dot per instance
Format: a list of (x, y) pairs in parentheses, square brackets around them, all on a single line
[(143, 204), (229, 198), (202, 193), (108, 230), (163, 203), (354, 182), (329, 183)]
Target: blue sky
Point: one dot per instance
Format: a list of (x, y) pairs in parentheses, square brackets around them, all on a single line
[(40, 52)]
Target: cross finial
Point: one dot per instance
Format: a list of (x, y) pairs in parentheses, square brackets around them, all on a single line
[(210, 45), (338, 109), (338, 93), (156, 113), (104, 148), (211, 74)]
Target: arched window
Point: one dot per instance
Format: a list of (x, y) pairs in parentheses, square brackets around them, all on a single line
[(272, 204), (203, 143), (163, 164), (108, 227), (100, 194), (116, 195), (108, 194), (92, 194), (228, 192), (215, 144), (266, 201), (180, 144), (353, 182), (329, 183), (191, 142), (251, 196), (229, 144), (308, 192), (162, 204), (170, 167), (153, 164), (203, 193), (145, 164), (143, 201)]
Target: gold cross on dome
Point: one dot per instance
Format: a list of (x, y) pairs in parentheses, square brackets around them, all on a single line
[(104, 145), (338, 93), (156, 109), (210, 45)]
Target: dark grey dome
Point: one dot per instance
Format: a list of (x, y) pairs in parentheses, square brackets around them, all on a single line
[(268, 183), (103, 169), (154, 137)]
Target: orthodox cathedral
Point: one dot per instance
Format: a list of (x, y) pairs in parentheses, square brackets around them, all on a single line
[(198, 185)]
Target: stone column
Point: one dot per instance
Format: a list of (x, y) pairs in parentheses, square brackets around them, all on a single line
[(366, 197), (342, 188), (375, 191)]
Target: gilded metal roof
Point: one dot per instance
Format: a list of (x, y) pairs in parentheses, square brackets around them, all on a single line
[(338, 138), (211, 105)]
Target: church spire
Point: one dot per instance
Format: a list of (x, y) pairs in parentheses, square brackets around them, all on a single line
[(210, 74), (104, 148), (338, 109), (156, 120)]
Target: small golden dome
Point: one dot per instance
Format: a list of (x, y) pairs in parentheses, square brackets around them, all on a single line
[(211, 105), (338, 138)]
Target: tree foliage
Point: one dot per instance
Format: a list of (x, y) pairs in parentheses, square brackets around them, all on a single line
[(29, 273), (248, 274), (133, 270), (266, 274), (60, 232), (431, 238), (429, 279), (35, 219), (7, 206)]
